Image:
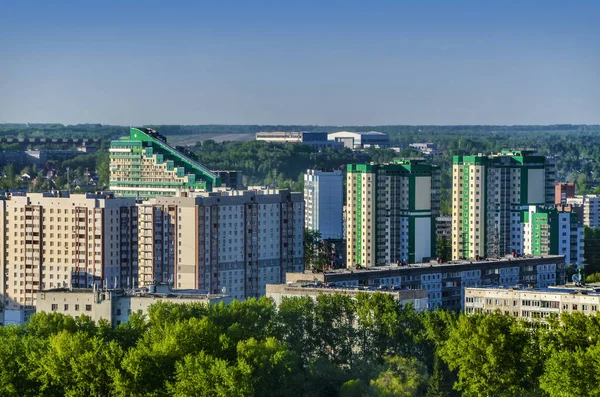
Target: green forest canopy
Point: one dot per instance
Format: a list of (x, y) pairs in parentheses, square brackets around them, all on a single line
[(576, 148), (336, 345)]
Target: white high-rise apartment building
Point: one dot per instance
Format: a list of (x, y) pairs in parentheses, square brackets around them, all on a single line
[(57, 240), (324, 202)]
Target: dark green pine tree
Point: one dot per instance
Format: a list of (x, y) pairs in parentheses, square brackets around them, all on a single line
[(438, 385)]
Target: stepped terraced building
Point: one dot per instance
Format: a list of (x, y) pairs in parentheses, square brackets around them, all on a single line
[(143, 165)]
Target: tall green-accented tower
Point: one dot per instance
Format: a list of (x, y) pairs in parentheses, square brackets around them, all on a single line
[(143, 165), (390, 212), (489, 195)]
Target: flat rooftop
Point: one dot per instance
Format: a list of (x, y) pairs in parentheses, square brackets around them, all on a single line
[(395, 270), (506, 259), (589, 289), (311, 288), (144, 293)]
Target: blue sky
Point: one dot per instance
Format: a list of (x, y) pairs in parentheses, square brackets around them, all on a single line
[(300, 62)]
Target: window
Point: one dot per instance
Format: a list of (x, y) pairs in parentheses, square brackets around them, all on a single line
[(88, 308), (54, 307), (66, 307), (77, 307)]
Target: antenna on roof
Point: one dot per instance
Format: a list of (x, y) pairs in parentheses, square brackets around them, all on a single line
[(577, 278)]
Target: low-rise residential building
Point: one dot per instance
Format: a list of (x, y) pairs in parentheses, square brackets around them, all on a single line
[(278, 292), (533, 303), (116, 306), (445, 283)]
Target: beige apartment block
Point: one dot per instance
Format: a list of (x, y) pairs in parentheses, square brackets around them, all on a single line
[(589, 205), (232, 242), (60, 240), (533, 303)]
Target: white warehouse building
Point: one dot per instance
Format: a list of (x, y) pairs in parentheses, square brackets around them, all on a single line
[(360, 140)]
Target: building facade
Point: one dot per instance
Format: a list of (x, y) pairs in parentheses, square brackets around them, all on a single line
[(428, 149), (143, 165), (232, 179), (278, 292), (445, 283), (562, 192), (489, 195), (390, 212), (550, 231), (360, 140), (443, 232), (315, 139), (116, 306), (324, 202), (232, 242), (533, 303), (54, 240), (589, 207)]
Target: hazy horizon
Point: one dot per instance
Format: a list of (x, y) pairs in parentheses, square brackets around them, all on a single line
[(302, 125), (311, 63)]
